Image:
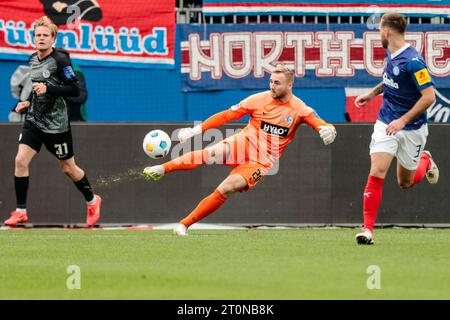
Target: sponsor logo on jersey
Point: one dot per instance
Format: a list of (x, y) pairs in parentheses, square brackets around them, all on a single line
[(389, 82), (68, 72), (274, 129), (422, 76)]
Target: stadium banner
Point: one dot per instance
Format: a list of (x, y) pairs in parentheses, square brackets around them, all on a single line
[(325, 7), (438, 112), (219, 57), (133, 33)]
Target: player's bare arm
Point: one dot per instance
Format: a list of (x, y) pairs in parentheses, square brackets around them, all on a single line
[(21, 106), (361, 100), (40, 88), (377, 90), (427, 99)]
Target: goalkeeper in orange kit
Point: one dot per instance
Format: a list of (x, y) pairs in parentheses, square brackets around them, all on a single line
[(275, 116)]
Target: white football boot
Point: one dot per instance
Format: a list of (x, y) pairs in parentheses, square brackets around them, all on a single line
[(154, 173), (433, 173), (180, 230), (364, 237)]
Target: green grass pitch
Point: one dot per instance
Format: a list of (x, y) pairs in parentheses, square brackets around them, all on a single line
[(276, 264)]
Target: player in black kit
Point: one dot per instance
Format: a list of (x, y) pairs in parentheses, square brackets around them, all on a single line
[(47, 122)]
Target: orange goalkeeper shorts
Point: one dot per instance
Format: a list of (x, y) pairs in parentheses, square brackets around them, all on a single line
[(251, 172), (244, 162)]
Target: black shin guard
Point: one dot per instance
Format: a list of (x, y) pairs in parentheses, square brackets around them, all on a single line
[(85, 188), (21, 186)]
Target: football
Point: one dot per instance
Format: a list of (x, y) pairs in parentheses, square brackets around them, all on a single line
[(156, 144)]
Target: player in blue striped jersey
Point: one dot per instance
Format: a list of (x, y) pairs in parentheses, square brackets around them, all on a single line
[(401, 128)]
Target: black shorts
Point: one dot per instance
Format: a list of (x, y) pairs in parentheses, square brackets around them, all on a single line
[(59, 144)]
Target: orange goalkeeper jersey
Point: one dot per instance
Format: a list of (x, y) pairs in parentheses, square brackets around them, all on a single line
[(272, 124)]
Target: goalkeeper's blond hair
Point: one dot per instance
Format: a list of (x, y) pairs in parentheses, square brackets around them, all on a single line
[(46, 22), (288, 73)]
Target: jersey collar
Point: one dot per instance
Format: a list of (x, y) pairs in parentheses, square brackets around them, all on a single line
[(399, 51), (51, 52)]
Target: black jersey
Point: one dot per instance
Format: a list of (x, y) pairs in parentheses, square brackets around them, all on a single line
[(48, 112)]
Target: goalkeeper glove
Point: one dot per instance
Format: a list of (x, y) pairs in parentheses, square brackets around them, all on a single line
[(186, 133), (327, 133)]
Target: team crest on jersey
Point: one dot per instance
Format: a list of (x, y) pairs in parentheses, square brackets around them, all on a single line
[(396, 70), (69, 73), (422, 76), (46, 73), (274, 129), (288, 119)]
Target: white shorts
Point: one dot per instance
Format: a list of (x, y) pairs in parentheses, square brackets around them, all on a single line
[(406, 145)]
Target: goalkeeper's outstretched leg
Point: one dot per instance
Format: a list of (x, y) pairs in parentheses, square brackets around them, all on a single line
[(189, 161)]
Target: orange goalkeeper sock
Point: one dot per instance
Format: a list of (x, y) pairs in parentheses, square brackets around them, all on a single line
[(188, 161), (207, 206)]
